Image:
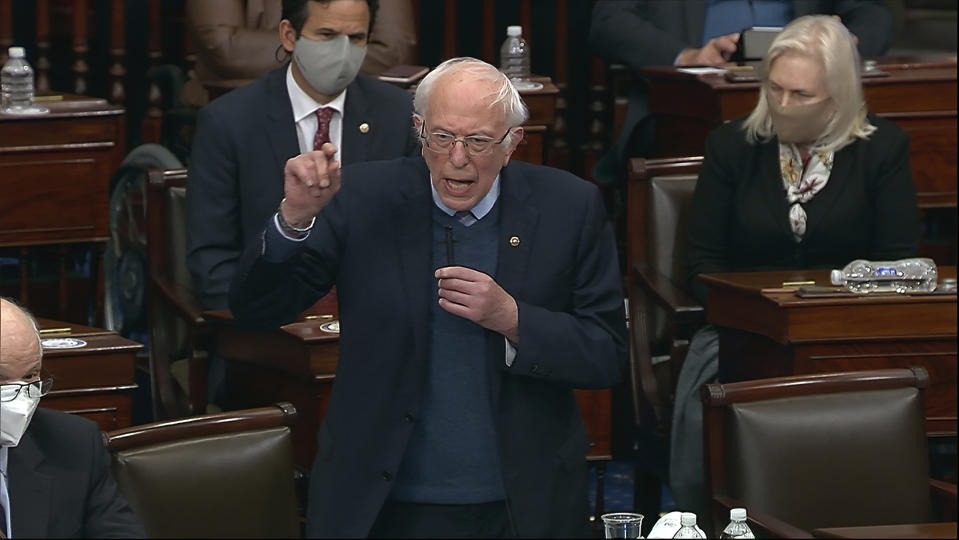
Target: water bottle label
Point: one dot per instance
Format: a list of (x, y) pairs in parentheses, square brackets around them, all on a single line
[(886, 271)]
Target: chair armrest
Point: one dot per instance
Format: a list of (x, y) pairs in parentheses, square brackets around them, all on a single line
[(763, 523), (683, 308), (182, 300)]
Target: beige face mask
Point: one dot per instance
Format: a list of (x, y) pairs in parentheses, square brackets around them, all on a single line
[(800, 123)]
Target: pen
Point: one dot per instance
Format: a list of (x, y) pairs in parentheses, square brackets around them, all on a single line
[(449, 246), (798, 283), (65, 330)]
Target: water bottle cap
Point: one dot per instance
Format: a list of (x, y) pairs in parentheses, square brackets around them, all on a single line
[(739, 514), (835, 277), (16, 52), (514, 31), (687, 519)]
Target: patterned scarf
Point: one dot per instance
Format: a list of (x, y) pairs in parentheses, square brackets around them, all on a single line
[(802, 182)]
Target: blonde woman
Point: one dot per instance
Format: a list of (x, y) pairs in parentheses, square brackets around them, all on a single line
[(808, 180)]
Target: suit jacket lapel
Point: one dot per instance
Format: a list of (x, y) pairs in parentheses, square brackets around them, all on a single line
[(517, 233), (413, 221), (281, 127), (356, 113), (30, 489)]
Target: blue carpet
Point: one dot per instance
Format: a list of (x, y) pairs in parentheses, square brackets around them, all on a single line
[(618, 489)]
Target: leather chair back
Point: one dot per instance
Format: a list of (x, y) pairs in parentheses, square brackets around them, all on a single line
[(227, 475), (836, 450)]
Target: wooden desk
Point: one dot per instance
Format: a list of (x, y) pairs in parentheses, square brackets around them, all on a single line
[(538, 128), (920, 98), (96, 381), (772, 334), (918, 530), (55, 174), (297, 363)]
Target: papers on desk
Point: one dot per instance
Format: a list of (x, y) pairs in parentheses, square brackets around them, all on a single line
[(702, 70)]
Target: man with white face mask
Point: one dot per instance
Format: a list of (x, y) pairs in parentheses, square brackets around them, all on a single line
[(245, 137), (55, 479)]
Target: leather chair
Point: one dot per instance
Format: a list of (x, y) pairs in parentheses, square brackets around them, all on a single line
[(180, 337), (813, 451), (226, 475), (662, 316)]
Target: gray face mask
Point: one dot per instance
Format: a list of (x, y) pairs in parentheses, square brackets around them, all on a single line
[(800, 124), (329, 66)]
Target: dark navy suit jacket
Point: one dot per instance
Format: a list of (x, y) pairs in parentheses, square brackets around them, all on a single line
[(242, 142), (61, 485), (556, 257)]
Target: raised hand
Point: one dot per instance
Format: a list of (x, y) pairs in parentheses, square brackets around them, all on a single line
[(310, 181)]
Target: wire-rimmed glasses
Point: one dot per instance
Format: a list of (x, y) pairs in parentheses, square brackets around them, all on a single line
[(475, 145), (35, 389)]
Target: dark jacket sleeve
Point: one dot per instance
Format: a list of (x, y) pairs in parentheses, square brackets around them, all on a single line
[(624, 32), (896, 208), (870, 21), (212, 211), (707, 248)]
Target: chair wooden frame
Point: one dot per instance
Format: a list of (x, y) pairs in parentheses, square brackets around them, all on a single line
[(717, 396), (280, 414), (166, 294), (646, 287)]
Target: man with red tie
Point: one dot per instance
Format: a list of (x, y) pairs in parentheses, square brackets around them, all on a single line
[(245, 137)]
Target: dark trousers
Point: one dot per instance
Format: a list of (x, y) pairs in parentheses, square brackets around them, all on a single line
[(421, 520)]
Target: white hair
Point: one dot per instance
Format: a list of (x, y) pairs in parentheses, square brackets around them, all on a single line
[(504, 95), (825, 40)]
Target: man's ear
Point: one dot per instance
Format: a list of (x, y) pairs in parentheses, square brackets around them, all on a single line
[(516, 137), (287, 35)]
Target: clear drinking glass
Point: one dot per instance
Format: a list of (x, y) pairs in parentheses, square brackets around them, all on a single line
[(623, 525)]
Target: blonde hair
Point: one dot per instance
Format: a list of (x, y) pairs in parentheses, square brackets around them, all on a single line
[(505, 94), (825, 40)]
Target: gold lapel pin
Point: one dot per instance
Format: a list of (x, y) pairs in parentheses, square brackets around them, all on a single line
[(364, 128), (514, 241)]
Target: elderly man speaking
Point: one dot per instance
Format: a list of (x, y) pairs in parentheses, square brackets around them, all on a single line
[(475, 294)]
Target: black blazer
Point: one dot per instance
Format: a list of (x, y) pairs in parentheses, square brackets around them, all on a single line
[(374, 243), (61, 485), (738, 218), (243, 140)]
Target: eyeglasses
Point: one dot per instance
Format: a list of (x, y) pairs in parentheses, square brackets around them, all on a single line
[(36, 389), (475, 145)]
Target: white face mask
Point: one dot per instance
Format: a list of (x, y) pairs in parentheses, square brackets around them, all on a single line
[(329, 66), (15, 416)]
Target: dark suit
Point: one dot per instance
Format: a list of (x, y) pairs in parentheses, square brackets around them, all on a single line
[(242, 142), (61, 485), (374, 242), (641, 33), (738, 218)]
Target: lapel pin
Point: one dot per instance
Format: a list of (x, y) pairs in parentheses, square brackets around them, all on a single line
[(364, 128), (514, 241)]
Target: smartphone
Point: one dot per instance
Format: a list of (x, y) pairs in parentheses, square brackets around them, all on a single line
[(754, 42)]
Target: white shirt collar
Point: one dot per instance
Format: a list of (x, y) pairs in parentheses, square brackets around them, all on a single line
[(303, 104), (480, 209)]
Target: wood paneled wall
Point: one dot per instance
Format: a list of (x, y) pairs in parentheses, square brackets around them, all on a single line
[(106, 47)]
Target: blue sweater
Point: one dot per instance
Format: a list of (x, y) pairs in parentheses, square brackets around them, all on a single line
[(453, 455)]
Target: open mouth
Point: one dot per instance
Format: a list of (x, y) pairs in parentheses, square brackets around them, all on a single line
[(458, 186)]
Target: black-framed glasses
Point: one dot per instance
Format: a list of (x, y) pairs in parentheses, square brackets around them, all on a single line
[(475, 145), (35, 389)]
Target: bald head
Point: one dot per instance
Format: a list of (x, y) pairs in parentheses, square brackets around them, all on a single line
[(20, 350)]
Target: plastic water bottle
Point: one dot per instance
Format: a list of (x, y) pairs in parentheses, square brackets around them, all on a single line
[(514, 59), (16, 84), (737, 527), (904, 276), (688, 529)]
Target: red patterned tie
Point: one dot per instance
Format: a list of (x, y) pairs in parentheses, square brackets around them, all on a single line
[(323, 116)]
